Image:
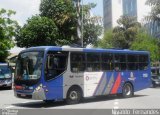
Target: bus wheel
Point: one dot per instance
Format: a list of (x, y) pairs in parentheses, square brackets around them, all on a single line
[(127, 90), (74, 95)]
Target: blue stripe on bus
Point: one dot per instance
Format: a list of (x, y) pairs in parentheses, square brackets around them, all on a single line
[(95, 92), (107, 82)]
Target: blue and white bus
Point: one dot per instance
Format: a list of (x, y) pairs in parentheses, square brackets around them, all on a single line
[(56, 73)]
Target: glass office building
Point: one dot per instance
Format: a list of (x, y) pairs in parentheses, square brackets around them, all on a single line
[(113, 9), (130, 7)]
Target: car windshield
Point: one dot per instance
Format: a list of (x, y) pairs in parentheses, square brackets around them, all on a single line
[(28, 66), (5, 72)]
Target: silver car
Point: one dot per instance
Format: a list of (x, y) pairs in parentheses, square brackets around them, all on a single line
[(5, 75)]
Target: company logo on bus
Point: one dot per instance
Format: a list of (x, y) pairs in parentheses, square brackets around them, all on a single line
[(91, 78), (132, 77), (87, 78)]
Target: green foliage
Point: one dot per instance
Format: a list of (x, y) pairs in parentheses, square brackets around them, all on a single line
[(152, 2), (125, 33), (91, 33), (155, 10), (154, 16), (38, 31), (7, 32), (121, 36), (92, 29), (106, 42), (64, 14), (130, 35), (57, 25), (61, 11), (148, 43)]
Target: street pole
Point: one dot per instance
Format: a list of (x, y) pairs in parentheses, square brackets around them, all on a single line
[(79, 21), (82, 26)]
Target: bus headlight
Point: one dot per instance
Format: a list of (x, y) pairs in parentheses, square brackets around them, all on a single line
[(38, 87)]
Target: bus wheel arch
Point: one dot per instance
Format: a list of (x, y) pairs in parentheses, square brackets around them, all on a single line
[(74, 94), (128, 90)]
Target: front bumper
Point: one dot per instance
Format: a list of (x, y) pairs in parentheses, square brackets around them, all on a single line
[(35, 95), (157, 82), (5, 83)]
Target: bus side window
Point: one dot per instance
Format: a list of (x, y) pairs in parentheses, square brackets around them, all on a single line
[(77, 62), (107, 61), (93, 62), (56, 64), (120, 62), (143, 62), (132, 62)]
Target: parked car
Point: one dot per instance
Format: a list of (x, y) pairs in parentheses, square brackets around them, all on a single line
[(155, 76), (5, 75)]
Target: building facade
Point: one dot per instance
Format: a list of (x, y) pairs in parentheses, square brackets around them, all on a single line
[(113, 9)]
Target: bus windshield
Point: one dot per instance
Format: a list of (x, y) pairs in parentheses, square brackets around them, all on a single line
[(28, 66), (5, 72)]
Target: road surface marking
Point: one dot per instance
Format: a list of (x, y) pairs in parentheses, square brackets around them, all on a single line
[(115, 107), (26, 102), (9, 107), (116, 103)]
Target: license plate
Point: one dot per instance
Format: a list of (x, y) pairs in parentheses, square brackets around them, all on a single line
[(23, 95)]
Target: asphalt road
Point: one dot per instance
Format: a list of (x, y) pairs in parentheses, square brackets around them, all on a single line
[(144, 99)]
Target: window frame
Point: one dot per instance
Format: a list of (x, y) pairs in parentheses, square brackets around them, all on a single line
[(71, 62), (66, 53)]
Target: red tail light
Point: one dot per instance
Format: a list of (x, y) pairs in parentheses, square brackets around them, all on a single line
[(18, 87)]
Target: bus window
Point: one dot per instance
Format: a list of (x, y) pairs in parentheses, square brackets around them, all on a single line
[(77, 62), (132, 62), (107, 61), (143, 62), (93, 62), (56, 64), (120, 62)]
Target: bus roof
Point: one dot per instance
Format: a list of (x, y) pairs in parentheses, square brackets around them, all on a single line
[(57, 48)]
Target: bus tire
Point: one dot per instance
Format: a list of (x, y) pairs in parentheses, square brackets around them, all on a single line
[(74, 95), (127, 90)]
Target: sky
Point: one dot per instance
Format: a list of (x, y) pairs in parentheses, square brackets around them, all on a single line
[(26, 8)]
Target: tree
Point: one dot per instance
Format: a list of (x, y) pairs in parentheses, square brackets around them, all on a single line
[(125, 33), (63, 13), (154, 16), (38, 31), (92, 28), (155, 10), (106, 42), (146, 42), (121, 36), (7, 32)]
